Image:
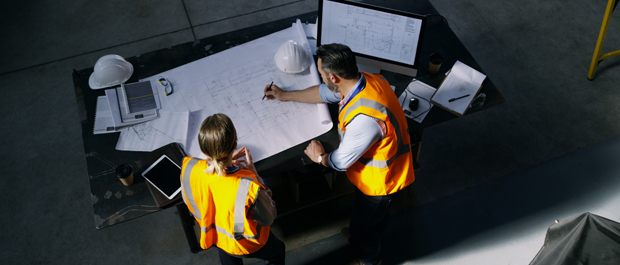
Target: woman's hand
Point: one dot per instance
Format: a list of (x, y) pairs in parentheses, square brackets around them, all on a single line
[(248, 163)]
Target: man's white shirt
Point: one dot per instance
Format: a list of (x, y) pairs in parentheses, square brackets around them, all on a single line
[(362, 132)]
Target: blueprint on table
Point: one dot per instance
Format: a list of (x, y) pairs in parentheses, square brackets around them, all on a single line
[(232, 82)]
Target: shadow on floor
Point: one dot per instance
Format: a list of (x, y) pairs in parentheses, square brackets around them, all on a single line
[(510, 208)]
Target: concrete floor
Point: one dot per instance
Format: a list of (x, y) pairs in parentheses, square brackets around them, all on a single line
[(490, 183)]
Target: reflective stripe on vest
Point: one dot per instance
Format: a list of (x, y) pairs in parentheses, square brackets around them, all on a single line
[(224, 232), (242, 195), (402, 148), (188, 190), (239, 211)]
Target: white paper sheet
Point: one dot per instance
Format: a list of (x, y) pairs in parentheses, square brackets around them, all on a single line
[(310, 30), (148, 136), (232, 82), (423, 93), (460, 86), (311, 34), (104, 123)]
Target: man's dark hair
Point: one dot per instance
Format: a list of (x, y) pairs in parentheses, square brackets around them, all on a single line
[(338, 59)]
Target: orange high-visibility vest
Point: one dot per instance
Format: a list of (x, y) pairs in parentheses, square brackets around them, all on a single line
[(387, 166), (220, 205)]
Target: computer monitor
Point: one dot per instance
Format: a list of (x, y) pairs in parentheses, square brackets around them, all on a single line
[(381, 38)]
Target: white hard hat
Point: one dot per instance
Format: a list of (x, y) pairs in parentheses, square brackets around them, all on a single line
[(110, 70), (291, 58)]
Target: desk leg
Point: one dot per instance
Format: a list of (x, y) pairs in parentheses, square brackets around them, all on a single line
[(188, 226), (416, 154), (416, 146)]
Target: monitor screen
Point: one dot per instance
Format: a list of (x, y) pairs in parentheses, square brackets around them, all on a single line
[(379, 37)]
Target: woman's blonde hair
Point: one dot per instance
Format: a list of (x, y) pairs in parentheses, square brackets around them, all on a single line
[(217, 139)]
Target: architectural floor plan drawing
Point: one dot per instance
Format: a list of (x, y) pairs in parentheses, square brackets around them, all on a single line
[(238, 93), (372, 32), (232, 82)]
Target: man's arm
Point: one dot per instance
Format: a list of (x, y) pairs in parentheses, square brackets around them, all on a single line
[(264, 209), (362, 132), (308, 95)]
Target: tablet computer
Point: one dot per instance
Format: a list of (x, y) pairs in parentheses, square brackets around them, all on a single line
[(165, 176)]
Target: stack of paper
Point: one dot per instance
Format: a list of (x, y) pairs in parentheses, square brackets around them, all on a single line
[(458, 89), (133, 104), (126, 106)]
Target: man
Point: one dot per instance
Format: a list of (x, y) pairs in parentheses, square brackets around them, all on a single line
[(375, 149)]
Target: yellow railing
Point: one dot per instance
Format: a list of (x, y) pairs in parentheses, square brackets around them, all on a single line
[(597, 58)]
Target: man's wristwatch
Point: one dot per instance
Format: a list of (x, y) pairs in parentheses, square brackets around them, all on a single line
[(321, 158)]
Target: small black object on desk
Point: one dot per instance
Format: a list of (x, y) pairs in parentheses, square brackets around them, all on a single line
[(414, 103)]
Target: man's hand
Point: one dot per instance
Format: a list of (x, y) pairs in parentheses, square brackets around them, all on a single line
[(308, 95), (314, 149), (274, 92)]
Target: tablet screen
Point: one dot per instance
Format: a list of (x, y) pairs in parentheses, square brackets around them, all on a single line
[(165, 175)]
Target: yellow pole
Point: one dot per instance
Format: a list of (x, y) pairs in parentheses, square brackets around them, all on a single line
[(601, 38)]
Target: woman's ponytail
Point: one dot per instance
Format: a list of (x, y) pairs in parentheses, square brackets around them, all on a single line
[(217, 139)]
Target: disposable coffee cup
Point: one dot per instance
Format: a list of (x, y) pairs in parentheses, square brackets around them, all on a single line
[(124, 172), (434, 63)]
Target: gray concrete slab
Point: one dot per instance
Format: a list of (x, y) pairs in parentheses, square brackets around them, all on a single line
[(205, 12), (208, 24), (42, 32)]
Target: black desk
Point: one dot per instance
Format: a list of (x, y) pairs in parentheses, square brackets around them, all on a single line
[(114, 203)]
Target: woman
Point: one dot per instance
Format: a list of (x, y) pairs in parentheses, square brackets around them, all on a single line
[(228, 198)]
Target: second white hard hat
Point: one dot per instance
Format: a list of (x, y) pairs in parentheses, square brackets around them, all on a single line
[(291, 58)]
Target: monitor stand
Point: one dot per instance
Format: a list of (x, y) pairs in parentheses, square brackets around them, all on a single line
[(368, 69), (363, 62)]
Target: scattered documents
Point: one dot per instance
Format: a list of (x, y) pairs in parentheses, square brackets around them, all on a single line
[(150, 135), (458, 89), (421, 91)]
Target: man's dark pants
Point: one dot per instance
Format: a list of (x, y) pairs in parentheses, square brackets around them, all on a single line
[(369, 218)]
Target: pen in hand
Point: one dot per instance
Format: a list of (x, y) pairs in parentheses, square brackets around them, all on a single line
[(268, 89), (453, 99)]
